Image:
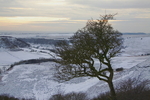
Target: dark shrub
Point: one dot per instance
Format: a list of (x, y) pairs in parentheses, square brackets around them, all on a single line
[(76, 96), (1, 71), (7, 97), (130, 89), (104, 96), (119, 69), (133, 89), (70, 96), (57, 97)]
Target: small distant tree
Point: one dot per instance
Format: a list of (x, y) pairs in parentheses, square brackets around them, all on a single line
[(96, 42)]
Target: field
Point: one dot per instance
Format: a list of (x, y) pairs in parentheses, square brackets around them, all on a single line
[(38, 81)]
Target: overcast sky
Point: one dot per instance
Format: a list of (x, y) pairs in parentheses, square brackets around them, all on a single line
[(71, 15)]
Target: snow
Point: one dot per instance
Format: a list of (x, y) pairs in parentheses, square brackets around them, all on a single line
[(37, 81), (137, 45), (9, 57), (127, 62), (83, 86)]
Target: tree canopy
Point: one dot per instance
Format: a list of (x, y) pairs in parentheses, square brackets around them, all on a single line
[(96, 42)]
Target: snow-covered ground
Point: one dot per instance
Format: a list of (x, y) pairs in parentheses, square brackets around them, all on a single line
[(36, 80), (9, 57)]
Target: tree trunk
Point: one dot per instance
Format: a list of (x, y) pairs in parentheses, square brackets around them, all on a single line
[(112, 90)]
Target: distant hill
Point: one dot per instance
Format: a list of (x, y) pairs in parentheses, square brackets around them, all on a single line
[(134, 33), (8, 42)]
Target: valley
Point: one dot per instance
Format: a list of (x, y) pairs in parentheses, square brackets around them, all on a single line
[(37, 80)]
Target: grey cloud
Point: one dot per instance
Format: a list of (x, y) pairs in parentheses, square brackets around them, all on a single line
[(78, 10), (74, 12), (113, 4), (9, 3)]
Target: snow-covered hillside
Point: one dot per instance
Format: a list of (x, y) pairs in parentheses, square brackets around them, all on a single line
[(8, 42), (37, 81), (137, 45), (9, 57), (13, 50)]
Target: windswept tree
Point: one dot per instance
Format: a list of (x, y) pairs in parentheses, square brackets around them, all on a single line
[(97, 41)]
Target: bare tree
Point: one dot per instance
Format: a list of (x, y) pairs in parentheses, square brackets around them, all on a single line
[(97, 41)]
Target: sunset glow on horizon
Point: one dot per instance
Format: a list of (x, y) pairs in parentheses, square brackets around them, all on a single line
[(71, 15)]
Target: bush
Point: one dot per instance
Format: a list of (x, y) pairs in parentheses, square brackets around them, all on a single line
[(30, 61), (8, 97), (57, 97), (133, 89), (119, 69), (76, 96), (104, 96), (130, 89), (70, 96), (0, 71)]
